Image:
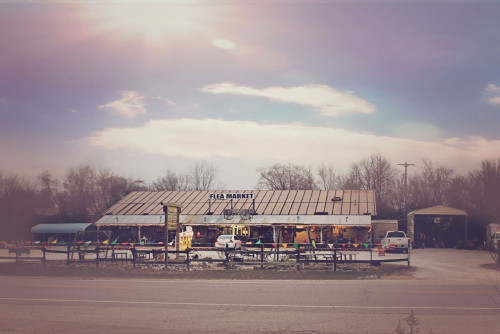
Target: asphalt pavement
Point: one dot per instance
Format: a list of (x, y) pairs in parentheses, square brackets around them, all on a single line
[(452, 291)]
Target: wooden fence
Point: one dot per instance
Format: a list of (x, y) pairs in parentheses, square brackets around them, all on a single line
[(300, 257)]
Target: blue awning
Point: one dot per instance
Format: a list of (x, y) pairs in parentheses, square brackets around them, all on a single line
[(59, 228)]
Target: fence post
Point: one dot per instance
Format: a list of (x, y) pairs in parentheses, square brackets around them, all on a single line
[(261, 256), (97, 256), (67, 253), (277, 251), (226, 254), (408, 255), (297, 258), (166, 255), (335, 260), (133, 251), (43, 256), (188, 250), (371, 256)]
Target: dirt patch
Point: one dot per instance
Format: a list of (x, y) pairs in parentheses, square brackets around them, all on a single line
[(217, 272)]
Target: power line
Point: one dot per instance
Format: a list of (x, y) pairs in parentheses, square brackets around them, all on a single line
[(406, 165)]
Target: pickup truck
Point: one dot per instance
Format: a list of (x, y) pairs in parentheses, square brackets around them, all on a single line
[(395, 240)]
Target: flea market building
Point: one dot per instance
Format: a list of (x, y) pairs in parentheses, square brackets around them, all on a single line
[(289, 216)]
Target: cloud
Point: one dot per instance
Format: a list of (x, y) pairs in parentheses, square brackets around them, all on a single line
[(129, 105), (306, 145), (325, 100), (416, 130), (224, 44), (166, 101), (492, 93)]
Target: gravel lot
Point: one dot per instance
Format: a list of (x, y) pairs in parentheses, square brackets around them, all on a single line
[(454, 265)]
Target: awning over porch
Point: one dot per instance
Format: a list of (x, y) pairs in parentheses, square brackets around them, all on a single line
[(59, 228), (259, 220)]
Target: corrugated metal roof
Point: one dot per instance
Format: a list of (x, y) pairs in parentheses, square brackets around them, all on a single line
[(267, 202), (131, 220), (439, 210), (59, 228)]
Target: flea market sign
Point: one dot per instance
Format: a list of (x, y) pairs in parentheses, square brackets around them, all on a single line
[(231, 196)]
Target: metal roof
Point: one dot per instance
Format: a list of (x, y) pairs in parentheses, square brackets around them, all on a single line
[(438, 210), (131, 220), (262, 220), (267, 202), (59, 228)]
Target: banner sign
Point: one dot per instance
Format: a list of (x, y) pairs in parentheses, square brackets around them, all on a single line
[(172, 226), (231, 196), (171, 214)]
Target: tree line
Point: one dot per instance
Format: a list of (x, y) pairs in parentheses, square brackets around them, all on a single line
[(85, 192)]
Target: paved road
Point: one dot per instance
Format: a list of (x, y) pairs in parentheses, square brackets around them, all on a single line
[(61, 305)]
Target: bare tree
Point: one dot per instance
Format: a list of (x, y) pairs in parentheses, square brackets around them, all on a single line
[(203, 176), (84, 193), (483, 188), (430, 186), (50, 188), (285, 177), (170, 182), (78, 187), (18, 200), (108, 189), (375, 173), (327, 178)]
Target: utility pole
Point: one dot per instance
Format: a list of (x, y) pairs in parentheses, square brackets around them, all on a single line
[(406, 165)]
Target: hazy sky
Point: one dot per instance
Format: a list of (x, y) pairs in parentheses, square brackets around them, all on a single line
[(245, 84)]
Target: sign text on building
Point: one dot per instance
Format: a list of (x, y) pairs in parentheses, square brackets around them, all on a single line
[(231, 196)]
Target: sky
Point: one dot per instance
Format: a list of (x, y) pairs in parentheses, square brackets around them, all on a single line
[(140, 87)]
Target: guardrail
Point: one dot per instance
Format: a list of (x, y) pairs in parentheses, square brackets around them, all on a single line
[(261, 255)]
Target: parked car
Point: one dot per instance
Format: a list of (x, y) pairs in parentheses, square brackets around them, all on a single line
[(228, 241)]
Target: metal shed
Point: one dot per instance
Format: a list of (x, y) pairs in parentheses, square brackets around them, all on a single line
[(438, 226)]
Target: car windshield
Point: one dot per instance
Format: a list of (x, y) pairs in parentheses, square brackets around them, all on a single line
[(223, 237), (396, 235)]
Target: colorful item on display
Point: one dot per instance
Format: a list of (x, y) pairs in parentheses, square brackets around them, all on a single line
[(258, 242), (284, 245), (296, 245)]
